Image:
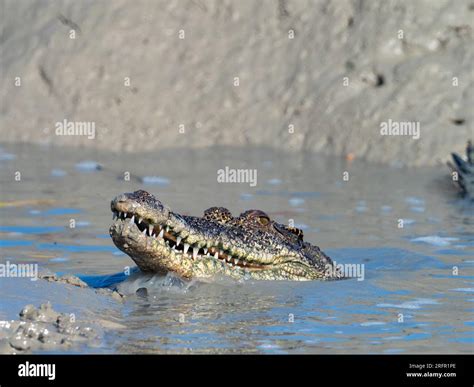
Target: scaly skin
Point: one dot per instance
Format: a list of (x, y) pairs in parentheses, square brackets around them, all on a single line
[(251, 246)]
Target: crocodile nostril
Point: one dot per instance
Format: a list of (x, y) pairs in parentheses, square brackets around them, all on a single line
[(121, 199)]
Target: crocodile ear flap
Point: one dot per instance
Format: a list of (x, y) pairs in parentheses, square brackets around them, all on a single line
[(297, 231), (285, 230), (218, 214)]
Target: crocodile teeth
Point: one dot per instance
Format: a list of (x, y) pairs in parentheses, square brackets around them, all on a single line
[(119, 214), (205, 250), (167, 228), (132, 219), (162, 232), (178, 241), (195, 252), (186, 248), (139, 220), (216, 255), (150, 229), (144, 231), (244, 263), (236, 261)]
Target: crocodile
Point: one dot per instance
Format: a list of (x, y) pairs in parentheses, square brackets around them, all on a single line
[(250, 246), (463, 171)]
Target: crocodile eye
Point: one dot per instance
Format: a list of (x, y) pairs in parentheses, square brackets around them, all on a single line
[(255, 217)]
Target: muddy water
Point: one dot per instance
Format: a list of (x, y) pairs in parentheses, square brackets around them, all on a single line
[(411, 234)]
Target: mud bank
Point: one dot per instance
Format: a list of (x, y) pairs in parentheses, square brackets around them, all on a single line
[(295, 75), (44, 329)]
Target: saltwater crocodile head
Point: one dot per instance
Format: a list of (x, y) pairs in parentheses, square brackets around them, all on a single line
[(251, 246)]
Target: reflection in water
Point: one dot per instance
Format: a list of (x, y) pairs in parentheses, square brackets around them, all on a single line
[(194, 314)]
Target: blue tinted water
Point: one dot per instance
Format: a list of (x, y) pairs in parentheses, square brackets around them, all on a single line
[(415, 294)]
